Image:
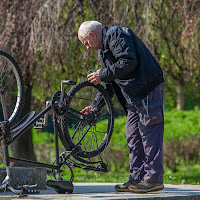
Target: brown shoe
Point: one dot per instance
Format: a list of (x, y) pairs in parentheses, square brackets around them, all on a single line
[(125, 187), (146, 186)]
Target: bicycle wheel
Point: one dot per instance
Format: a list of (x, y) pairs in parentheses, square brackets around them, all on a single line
[(11, 88), (97, 125)]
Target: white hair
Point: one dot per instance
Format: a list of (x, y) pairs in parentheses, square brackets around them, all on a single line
[(87, 27)]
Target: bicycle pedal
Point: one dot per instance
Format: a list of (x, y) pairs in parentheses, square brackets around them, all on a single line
[(43, 121), (39, 124), (33, 192), (25, 192), (27, 186)]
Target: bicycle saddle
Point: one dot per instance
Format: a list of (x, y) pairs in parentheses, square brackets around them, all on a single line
[(23, 122), (61, 187)]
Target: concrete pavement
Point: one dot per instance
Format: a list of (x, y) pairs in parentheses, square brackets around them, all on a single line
[(105, 191)]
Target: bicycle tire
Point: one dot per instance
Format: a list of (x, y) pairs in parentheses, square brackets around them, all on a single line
[(102, 124), (12, 85)]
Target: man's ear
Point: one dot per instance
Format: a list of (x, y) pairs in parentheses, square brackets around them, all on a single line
[(93, 34)]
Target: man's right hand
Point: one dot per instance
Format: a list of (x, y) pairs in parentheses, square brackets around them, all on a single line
[(86, 110), (94, 77)]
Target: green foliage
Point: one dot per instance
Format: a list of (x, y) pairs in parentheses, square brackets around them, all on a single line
[(44, 146), (179, 125), (162, 26), (192, 96), (181, 138), (119, 135), (186, 174)]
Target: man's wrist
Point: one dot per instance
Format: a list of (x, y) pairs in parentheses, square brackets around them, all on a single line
[(101, 74)]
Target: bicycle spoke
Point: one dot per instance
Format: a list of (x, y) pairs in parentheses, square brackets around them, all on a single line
[(3, 66), (74, 110), (82, 98), (12, 78), (6, 75), (78, 126), (96, 141), (92, 141)]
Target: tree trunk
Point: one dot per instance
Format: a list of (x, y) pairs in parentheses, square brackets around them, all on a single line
[(180, 96), (23, 146)]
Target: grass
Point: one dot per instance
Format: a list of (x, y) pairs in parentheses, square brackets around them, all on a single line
[(179, 126), (189, 174)]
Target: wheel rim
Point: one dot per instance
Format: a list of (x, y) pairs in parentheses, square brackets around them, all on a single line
[(97, 123), (10, 84)]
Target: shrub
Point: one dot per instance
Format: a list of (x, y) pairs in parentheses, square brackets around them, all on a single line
[(181, 141)]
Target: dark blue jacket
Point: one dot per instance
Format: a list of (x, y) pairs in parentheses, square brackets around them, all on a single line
[(128, 67)]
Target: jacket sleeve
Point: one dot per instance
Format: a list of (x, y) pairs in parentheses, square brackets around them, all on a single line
[(122, 46)]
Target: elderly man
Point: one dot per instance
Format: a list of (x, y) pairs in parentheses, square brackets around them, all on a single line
[(131, 72)]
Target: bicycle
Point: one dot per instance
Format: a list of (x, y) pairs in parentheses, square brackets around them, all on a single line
[(82, 136)]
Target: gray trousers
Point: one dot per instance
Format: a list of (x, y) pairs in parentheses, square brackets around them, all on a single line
[(144, 132)]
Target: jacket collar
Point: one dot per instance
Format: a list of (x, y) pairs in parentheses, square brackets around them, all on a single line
[(104, 31)]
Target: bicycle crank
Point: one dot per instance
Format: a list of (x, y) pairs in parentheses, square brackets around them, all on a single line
[(59, 109)]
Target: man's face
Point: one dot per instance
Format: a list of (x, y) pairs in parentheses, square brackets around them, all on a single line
[(91, 42)]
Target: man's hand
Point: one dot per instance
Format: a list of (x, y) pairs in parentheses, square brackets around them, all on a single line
[(86, 110), (94, 77)]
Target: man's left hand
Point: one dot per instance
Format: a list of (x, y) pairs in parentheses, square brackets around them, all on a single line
[(94, 77)]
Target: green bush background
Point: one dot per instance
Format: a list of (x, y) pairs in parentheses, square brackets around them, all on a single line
[(181, 150)]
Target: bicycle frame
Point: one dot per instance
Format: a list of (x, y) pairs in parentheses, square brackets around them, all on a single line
[(29, 125), (61, 158), (56, 131), (21, 132)]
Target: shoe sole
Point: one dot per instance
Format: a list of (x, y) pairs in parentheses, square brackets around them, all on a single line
[(123, 190), (157, 188)]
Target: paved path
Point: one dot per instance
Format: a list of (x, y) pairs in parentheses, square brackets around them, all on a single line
[(105, 191)]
